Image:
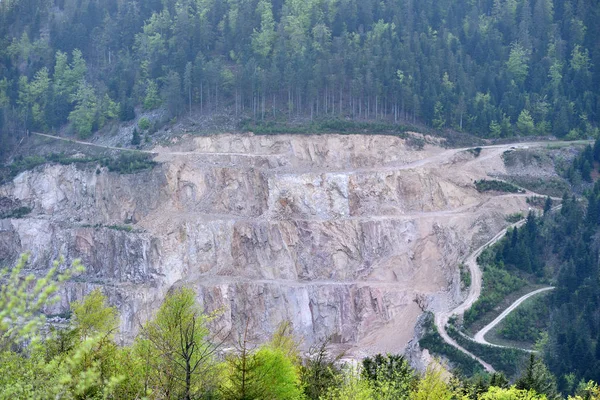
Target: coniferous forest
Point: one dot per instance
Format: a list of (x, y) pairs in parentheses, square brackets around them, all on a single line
[(494, 68)]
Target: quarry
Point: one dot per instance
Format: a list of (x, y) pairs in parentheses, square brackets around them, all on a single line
[(348, 237)]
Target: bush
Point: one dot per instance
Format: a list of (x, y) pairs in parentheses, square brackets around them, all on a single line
[(485, 185), (514, 218), (129, 163), (144, 124)]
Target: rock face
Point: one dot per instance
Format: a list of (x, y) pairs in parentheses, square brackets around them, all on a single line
[(345, 236)]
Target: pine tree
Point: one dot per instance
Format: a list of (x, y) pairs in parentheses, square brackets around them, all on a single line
[(136, 139)]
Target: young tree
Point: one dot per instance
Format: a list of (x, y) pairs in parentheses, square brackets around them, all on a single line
[(84, 114), (136, 139), (431, 386), (390, 376), (175, 346), (22, 300), (152, 99), (350, 387), (319, 371), (188, 83), (525, 123), (537, 377), (271, 372), (518, 63)]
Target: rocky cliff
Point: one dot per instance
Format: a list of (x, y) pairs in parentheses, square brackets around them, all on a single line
[(345, 236)]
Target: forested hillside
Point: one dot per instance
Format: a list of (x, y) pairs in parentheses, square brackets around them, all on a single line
[(560, 248), (490, 67)]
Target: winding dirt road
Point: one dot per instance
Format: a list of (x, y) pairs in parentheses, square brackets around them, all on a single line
[(480, 336), (441, 318)]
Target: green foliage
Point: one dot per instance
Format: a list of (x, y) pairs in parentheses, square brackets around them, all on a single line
[(271, 371), (324, 126), (506, 360), (432, 341), (465, 276), (175, 346), (129, 163), (472, 67), (497, 284), (351, 387), (22, 299), (93, 316), (136, 138), (580, 170), (432, 386), (390, 376), (126, 111), (526, 323), (536, 377), (517, 64), (144, 124), (152, 99), (496, 393), (485, 185), (525, 123), (84, 114), (319, 371)]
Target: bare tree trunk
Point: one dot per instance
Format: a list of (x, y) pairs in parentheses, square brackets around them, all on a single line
[(360, 108)]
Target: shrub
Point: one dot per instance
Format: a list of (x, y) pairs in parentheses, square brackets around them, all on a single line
[(136, 138), (144, 124), (485, 185)]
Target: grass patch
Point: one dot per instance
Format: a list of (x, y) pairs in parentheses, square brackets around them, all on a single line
[(485, 318), (433, 342), (485, 185)]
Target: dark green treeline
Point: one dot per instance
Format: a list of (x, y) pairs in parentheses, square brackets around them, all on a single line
[(490, 67)]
